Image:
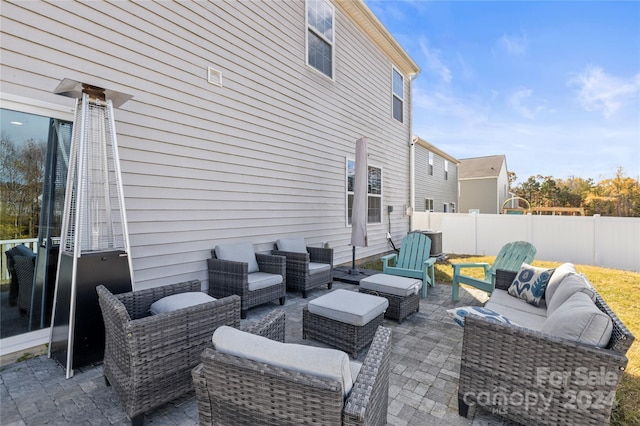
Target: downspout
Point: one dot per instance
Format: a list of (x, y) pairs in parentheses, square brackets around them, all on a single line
[(412, 179)]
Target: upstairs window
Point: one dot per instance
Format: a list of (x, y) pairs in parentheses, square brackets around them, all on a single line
[(430, 171), (446, 170), (397, 95), (320, 36)]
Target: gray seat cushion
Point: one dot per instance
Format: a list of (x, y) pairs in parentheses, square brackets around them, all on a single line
[(571, 284), (320, 362), (556, 278), (579, 319), (179, 301), (238, 252), (522, 318), (503, 298), (316, 268), (258, 280), (349, 307), (294, 245), (391, 284)]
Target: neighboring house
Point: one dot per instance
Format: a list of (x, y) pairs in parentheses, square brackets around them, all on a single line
[(435, 177), (243, 120), (484, 184)]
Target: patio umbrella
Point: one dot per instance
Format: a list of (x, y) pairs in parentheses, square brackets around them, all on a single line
[(359, 210)]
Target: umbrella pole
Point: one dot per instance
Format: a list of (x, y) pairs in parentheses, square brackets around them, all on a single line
[(353, 270)]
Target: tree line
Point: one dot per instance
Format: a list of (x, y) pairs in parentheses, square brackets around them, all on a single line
[(22, 175), (618, 196)]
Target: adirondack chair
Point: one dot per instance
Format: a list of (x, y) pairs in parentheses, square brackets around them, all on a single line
[(510, 258), (413, 260)]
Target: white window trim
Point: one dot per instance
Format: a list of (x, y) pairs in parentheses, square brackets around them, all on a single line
[(308, 27), (32, 339), (393, 95), (347, 192)]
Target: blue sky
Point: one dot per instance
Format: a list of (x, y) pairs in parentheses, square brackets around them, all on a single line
[(553, 85)]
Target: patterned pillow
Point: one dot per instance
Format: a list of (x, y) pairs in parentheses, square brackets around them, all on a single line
[(458, 314), (530, 283)]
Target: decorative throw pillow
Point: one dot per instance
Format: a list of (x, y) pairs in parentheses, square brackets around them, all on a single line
[(530, 283), (458, 314)]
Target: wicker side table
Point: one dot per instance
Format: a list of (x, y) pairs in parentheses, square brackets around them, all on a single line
[(402, 293)]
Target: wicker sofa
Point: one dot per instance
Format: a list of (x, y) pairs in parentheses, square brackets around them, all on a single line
[(234, 389), (148, 358), (541, 376)]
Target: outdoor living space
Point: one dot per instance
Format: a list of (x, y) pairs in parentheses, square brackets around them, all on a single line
[(425, 362)]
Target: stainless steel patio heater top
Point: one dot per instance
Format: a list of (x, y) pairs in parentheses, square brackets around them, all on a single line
[(94, 246)]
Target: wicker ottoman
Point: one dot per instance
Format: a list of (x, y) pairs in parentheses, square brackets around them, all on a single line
[(402, 293), (344, 319)]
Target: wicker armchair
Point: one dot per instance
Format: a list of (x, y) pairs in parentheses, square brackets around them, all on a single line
[(236, 391), (148, 358), (229, 276), (535, 378), (307, 267), (21, 265)]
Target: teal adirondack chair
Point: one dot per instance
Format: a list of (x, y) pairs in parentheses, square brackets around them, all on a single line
[(511, 257), (413, 260)]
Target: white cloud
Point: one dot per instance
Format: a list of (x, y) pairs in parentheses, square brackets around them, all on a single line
[(521, 101), (435, 62), (515, 45), (599, 91)]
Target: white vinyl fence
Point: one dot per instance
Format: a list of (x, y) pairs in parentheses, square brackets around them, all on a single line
[(612, 242)]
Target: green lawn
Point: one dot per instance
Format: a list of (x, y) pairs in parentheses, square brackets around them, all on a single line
[(621, 291)]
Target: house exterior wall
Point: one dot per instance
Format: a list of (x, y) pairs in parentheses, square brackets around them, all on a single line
[(259, 158), (502, 186), (434, 186), (478, 194)]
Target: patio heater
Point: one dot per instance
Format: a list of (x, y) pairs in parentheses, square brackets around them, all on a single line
[(94, 244)]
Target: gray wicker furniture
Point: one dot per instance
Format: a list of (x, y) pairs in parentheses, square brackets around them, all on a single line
[(402, 293), (535, 378), (231, 275), (349, 324), (148, 358), (21, 265), (307, 267), (233, 390)]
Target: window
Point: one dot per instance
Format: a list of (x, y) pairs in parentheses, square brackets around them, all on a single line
[(398, 95), (374, 199), (428, 204), (445, 208), (430, 163), (446, 170), (320, 36), (452, 207)]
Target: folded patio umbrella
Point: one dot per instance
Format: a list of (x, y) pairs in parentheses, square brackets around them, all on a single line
[(360, 194)]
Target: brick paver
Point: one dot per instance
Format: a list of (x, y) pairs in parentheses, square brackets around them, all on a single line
[(422, 390)]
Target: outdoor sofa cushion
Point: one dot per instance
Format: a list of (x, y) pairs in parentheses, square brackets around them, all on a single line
[(392, 284), (179, 301), (294, 245), (320, 362), (558, 275), (571, 284), (316, 268), (530, 283), (579, 319), (238, 252)]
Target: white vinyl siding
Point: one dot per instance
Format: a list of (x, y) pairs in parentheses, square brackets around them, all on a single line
[(259, 158), (433, 186)]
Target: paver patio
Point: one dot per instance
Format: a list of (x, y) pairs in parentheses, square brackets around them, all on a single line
[(423, 380)]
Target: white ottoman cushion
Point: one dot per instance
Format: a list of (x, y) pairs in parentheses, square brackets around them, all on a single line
[(349, 307), (391, 284)]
